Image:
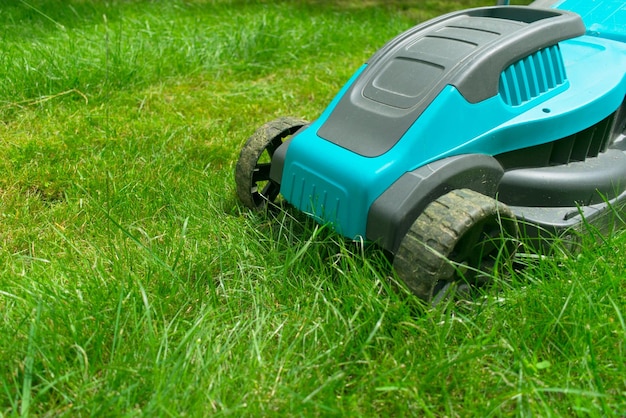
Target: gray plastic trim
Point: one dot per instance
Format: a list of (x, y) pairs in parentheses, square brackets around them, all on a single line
[(278, 161), (542, 226), (393, 213), (584, 183)]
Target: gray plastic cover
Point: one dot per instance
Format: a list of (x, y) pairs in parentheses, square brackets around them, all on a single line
[(393, 213), (467, 49), (584, 183)]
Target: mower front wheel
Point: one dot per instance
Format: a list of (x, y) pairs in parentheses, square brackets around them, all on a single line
[(252, 173), (455, 243)]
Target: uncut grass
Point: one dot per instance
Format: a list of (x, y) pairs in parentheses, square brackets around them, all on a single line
[(131, 280), (312, 326)]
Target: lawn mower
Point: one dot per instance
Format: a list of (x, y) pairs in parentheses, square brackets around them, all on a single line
[(458, 136)]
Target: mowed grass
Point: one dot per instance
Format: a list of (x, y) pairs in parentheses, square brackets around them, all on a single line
[(132, 282)]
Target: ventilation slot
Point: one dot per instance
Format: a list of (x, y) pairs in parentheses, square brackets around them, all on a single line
[(532, 76), (588, 143), (585, 144)]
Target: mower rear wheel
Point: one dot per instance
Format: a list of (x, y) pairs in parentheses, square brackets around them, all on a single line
[(252, 173), (455, 243)]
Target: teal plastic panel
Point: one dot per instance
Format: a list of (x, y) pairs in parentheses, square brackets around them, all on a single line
[(603, 18)]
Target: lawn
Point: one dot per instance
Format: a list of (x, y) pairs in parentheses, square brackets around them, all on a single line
[(133, 282)]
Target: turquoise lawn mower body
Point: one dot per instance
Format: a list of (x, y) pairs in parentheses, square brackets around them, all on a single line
[(503, 112)]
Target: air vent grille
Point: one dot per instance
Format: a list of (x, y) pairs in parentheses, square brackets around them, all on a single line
[(532, 76), (311, 193), (585, 144), (588, 143)]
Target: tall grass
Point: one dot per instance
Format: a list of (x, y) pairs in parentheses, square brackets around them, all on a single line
[(133, 283)]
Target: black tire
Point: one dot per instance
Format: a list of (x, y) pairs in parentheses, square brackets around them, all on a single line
[(252, 173), (458, 236)]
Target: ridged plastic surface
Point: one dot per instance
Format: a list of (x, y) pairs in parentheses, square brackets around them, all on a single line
[(321, 198), (532, 76)]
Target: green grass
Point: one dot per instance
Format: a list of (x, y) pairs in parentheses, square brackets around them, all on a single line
[(132, 282)]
